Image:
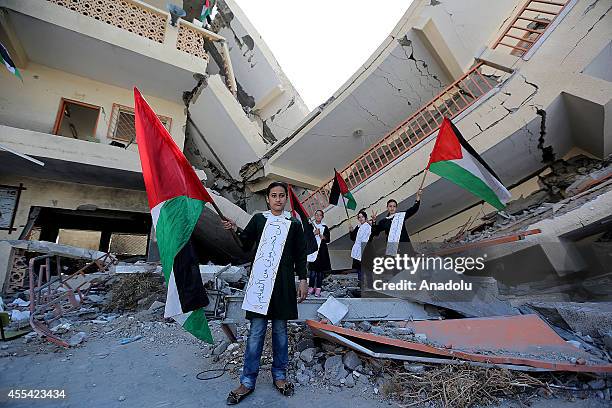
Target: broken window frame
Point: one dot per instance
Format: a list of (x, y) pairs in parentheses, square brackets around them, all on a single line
[(19, 189), (60, 116), (117, 110)]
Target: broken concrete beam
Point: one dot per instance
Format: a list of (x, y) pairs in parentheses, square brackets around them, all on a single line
[(51, 248), (587, 318), (143, 267), (228, 273), (358, 309), (482, 301)]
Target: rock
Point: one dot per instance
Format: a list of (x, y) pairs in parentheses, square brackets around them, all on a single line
[(414, 368), (420, 337), (333, 365), (607, 339), (304, 344), (573, 343), (338, 377), (156, 305), (4, 347), (350, 381), (232, 347), (77, 339), (599, 384), (220, 348), (121, 398), (365, 326), (350, 325), (377, 330), (402, 331), (308, 355), (351, 360), (302, 378), (329, 347)]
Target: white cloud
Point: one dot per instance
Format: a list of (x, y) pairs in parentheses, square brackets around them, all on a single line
[(321, 44)]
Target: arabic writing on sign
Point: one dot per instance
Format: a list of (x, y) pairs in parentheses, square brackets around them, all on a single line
[(258, 291)]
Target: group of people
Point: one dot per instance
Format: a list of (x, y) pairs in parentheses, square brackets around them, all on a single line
[(282, 305)]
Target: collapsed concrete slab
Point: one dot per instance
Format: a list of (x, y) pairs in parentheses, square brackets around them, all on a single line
[(590, 319), (358, 310), (524, 343)]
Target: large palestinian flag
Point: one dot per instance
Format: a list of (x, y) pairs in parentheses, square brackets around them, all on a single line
[(176, 199), (340, 187), (454, 159)]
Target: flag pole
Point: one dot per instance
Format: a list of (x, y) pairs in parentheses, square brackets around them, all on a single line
[(424, 176), (343, 201), (224, 218)]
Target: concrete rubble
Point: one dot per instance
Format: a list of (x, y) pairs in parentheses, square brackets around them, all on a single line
[(124, 306)]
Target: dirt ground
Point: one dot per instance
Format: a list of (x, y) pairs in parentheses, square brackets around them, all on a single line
[(158, 372)]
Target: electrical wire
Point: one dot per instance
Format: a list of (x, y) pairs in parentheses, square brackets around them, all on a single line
[(221, 370)]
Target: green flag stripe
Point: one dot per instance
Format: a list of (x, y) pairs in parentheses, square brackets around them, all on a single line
[(177, 220), (351, 203), (197, 325), (467, 180)]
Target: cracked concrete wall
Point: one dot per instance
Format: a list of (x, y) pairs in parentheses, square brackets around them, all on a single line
[(398, 79), (219, 118), (34, 104), (265, 90), (518, 130), (468, 25)]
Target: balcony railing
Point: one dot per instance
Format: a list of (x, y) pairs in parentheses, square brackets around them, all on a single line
[(449, 103), (529, 25), (149, 22), (131, 16), (143, 20)]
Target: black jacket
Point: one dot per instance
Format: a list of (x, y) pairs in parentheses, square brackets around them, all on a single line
[(283, 304), (385, 224)]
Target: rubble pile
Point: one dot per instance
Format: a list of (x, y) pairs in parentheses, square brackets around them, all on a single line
[(132, 290), (340, 286), (566, 179)]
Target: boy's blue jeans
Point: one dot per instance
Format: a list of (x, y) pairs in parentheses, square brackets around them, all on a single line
[(254, 348)]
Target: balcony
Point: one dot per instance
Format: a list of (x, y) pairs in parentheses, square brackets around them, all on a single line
[(120, 42), (69, 160)]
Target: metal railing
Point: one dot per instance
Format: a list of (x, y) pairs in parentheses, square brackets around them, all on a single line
[(529, 24), (453, 100)]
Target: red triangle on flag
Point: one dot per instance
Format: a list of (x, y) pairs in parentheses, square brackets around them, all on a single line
[(447, 146)]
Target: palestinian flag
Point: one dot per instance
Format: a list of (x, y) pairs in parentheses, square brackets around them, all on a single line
[(176, 199), (454, 159), (207, 9), (5, 58), (298, 211), (339, 187)]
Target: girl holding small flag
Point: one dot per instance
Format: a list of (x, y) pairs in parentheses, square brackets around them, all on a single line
[(361, 236), (394, 224), (318, 262)]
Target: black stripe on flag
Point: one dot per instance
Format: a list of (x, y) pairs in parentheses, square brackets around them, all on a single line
[(471, 150), (191, 291)]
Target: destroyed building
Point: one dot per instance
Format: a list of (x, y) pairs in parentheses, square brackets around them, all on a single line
[(528, 83)]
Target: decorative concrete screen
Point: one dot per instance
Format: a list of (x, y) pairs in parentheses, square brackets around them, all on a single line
[(130, 16), (191, 41)]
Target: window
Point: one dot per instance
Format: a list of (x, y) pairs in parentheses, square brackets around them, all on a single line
[(122, 126), (77, 120)]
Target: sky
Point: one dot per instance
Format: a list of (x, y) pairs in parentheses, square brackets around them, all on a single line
[(321, 44)]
